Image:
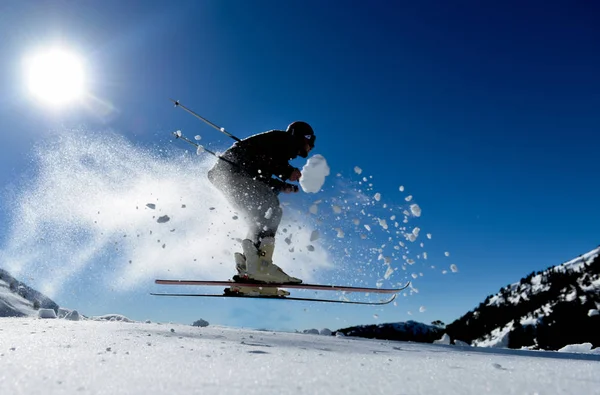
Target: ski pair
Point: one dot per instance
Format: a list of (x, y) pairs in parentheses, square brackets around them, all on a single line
[(229, 292)]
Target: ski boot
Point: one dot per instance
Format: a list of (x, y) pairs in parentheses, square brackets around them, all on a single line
[(256, 265)]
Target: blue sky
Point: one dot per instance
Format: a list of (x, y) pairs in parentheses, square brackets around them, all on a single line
[(487, 114)]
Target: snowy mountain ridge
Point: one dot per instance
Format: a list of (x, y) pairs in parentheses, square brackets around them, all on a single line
[(544, 310), (19, 300)]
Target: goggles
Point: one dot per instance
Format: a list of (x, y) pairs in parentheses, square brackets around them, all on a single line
[(310, 139)]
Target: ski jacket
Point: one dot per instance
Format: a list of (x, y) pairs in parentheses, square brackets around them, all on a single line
[(263, 156)]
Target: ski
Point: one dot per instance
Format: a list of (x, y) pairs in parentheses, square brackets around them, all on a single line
[(381, 302), (313, 287)]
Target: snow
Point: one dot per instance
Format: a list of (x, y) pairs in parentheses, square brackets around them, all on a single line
[(313, 174), (116, 357), (584, 348)]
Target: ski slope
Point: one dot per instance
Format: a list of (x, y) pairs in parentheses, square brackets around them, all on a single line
[(58, 356)]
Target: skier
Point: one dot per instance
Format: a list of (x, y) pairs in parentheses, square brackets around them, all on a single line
[(244, 174)]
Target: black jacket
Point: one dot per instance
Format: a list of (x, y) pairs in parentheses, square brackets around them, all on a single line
[(264, 155)]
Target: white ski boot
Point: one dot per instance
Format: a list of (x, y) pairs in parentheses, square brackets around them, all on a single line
[(259, 263)]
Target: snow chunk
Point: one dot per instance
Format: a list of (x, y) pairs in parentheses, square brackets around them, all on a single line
[(198, 137), (314, 235), (112, 317), (422, 309), (199, 150), (269, 213), (313, 174), (314, 209), (388, 273), (336, 209), (151, 206), (178, 133), (325, 332), (593, 313), (200, 323), (163, 219), (429, 236), (461, 343), (377, 196), (383, 223), (453, 268), (46, 313), (401, 188), (583, 348), (340, 233), (73, 316), (357, 170), (408, 198), (415, 210), (444, 340), (447, 253)]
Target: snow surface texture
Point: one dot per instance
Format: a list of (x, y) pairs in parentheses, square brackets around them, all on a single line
[(57, 356)]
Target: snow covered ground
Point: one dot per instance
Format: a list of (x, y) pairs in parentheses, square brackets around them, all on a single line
[(58, 356)]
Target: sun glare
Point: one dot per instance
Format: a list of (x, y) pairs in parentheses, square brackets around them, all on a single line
[(55, 76)]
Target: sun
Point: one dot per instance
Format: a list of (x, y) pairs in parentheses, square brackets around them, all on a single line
[(55, 76)]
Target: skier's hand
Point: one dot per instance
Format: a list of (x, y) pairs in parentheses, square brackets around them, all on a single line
[(295, 176), (289, 188)]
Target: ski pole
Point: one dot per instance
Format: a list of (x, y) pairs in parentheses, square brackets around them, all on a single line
[(206, 121)]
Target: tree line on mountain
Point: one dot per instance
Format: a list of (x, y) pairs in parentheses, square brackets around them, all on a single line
[(567, 323)]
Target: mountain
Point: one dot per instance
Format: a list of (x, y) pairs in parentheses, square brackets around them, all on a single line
[(545, 310), (18, 300), (403, 331)]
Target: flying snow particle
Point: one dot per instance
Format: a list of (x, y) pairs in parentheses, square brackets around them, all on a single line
[(410, 261), (313, 174), (310, 247), (356, 221), (447, 253), (429, 236), (422, 309), (340, 233), (357, 170), (314, 235), (383, 223), (401, 188), (336, 209), (388, 273), (415, 210), (414, 275), (367, 227), (198, 137), (269, 213), (199, 150), (375, 316), (408, 198), (453, 268), (178, 133), (444, 271), (377, 196), (223, 130), (314, 209), (163, 219), (425, 255), (151, 206), (393, 218)]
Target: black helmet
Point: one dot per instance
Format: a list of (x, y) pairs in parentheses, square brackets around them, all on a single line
[(302, 131)]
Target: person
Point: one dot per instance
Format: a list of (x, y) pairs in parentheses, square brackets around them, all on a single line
[(251, 174)]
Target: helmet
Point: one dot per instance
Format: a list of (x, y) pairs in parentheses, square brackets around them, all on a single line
[(302, 131)]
